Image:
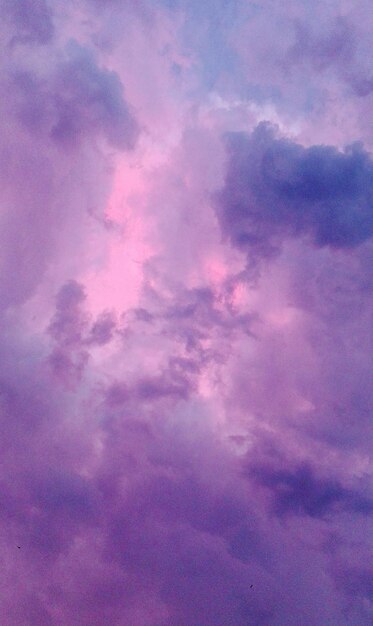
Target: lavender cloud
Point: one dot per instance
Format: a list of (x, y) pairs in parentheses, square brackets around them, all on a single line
[(31, 19), (186, 297)]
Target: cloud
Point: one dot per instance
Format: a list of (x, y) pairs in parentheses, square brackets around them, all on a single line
[(185, 313), (300, 492), (31, 19), (89, 98), (75, 334), (77, 100), (276, 189), (54, 116), (103, 329)]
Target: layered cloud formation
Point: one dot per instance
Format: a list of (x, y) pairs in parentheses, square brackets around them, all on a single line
[(186, 298)]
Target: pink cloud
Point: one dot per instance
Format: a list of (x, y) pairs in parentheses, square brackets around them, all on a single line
[(186, 297)]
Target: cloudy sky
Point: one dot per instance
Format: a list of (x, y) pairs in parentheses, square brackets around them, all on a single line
[(186, 308)]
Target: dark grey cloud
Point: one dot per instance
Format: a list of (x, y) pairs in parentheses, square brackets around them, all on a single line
[(169, 531), (277, 189), (88, 98), (74, 333), (331, 46), (102, 330), (69, 321), (31, 20), (300, 491), (335, 46), (77, 101)]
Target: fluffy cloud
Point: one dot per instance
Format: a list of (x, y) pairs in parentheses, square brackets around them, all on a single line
[(276, 188), (186, 296)]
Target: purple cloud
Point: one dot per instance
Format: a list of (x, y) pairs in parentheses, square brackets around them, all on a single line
[(276, 189), (185, 309), (31, 19), (301, 493)]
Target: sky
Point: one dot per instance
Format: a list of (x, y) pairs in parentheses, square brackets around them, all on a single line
[(186, 308)]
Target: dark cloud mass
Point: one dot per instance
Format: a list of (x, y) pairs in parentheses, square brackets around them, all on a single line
[(275, 189), (77, 101), (90, 98), (301, 493), (32, 20)]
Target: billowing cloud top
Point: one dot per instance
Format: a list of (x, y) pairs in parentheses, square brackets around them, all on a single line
[(186, 297), (275, 187)]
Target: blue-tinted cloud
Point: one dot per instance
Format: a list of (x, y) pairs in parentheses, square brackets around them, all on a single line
[(276, 189)]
